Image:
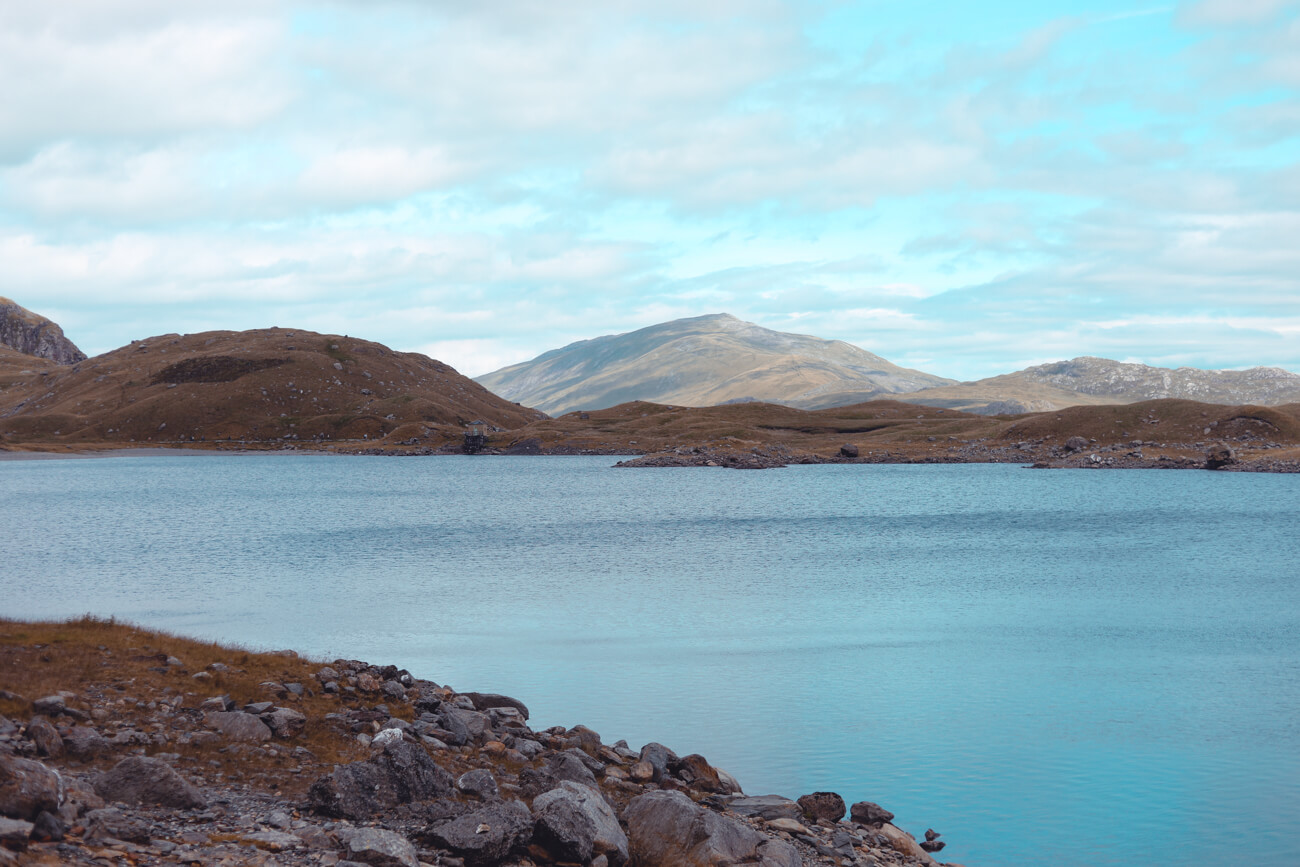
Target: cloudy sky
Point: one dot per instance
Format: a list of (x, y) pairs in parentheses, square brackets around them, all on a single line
[(963, 187)]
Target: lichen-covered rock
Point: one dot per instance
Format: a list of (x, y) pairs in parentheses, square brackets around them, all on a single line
[(143, 780), (401, 774), (26, 788), (659, 757), (558, 768), (111, 823), (285, 722), (822, 806), (668, 829), (478, 783), (487, 835), (380, 848)]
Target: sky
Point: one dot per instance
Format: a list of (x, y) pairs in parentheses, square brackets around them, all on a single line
[(965, 188)]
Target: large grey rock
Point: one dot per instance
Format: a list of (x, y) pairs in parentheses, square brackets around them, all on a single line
[(84, 743), (468, 726), (401, 774), (14, 833), (558, 768), (576, 823), (479, 783), (239, 726), (26, 788), (668, 829), (766, 807), (485, 836), (485, 700), (42, 732), (142, 780), (869, 813), (659, 757), (111, 823), (380, 848), (285, 722)]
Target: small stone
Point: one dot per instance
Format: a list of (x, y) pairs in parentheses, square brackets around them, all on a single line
[(789, 826), (478, 783)]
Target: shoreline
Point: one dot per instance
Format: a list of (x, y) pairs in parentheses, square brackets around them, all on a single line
[(172, 751), (1217, 457)]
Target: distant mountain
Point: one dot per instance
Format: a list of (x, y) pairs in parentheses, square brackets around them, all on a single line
[(1097, 381), (704, 361), (32, 334), (269, 384)]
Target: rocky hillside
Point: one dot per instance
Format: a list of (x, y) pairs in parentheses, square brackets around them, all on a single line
[(266, 385), (32, 334), (1100, 381), (703, 361), (123, 746)]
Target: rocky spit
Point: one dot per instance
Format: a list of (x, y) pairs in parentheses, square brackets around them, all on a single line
[(1075, 453), (168, 769)]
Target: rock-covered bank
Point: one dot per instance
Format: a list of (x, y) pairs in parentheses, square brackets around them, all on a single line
[(125, 746)]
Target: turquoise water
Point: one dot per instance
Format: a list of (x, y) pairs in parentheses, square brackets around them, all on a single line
[(1064, 667)]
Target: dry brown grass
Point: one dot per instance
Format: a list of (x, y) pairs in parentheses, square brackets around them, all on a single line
[(113, 664)]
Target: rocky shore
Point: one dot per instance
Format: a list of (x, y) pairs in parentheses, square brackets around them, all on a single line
[(122, 746)]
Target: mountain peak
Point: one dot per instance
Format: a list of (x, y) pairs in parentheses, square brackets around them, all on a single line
[(703, 360)]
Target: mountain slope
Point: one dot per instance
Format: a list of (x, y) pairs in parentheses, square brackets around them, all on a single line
[(701, 361), (1098, 381), (268, 384), (32, 334)]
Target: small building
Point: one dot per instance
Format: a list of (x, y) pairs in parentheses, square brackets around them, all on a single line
[(475, 437)]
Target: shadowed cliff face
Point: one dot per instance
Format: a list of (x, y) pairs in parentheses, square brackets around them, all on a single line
[(33, 334)]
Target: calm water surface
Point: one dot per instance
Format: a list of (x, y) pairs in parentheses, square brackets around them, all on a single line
[(1070, 667)]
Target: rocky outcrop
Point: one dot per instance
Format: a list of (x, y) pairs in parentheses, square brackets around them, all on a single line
[(668, 829), (33, 334), (401, 774)]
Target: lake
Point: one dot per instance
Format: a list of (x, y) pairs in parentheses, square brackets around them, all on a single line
[(1064, 667)]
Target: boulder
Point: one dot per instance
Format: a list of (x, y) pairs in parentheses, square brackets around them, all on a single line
[(14, 833), (576, 823), (848, 450), (867, 813), (641, 772), (84, 743), (668, 829), (485, 836), (696, 772), (380, 848), (478, 783), (659, 757), (48, 828), (142, 780), (113, 824), (901, 841), (766, 807), (401, 774), (822, 806), (42, 732), (238, 726), (285, 722), (26, 788), (558, 768), (1076, 444)]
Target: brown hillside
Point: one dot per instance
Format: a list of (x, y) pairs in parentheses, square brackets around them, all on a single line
[(263, 385), (1182, 421), (641, 426)]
